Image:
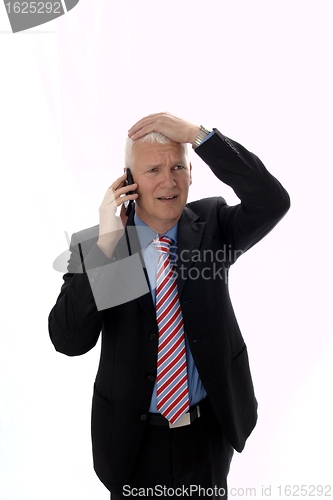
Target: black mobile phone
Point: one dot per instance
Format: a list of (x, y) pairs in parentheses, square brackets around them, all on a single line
[(130, 203)]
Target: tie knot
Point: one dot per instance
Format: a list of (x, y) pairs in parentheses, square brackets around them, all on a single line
[(163, 244)]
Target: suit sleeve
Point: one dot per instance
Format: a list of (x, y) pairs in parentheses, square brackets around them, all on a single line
[(93, 284), (75, 322), (263, 199)]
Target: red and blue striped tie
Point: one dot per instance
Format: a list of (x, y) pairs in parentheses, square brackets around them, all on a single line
[(172, 383)]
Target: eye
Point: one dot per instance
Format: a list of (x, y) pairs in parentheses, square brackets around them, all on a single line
[(178, 167), (152, 170)]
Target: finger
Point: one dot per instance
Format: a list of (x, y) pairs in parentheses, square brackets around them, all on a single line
[(119, 182), (114, 186), (113, 203), (138, 127), (123, 215), (119, 197), (117, 188), (125, 189), (122, 199), (145, 119), (145, 125), (144, 129)]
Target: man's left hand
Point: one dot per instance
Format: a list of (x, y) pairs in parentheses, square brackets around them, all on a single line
[(174, 128)]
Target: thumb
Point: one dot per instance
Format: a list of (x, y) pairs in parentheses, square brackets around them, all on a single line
[(123, 215)]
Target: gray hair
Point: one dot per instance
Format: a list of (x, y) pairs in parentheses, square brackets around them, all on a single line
[(152, 137)]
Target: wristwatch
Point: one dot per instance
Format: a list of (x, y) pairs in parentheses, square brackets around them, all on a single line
[(203, 132)]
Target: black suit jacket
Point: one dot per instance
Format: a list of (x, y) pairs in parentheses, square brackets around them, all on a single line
[(211, 236)]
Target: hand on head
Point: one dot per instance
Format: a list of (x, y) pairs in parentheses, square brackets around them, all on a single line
[(176, 129), (163, 190)]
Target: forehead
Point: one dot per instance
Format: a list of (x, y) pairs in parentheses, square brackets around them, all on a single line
[(148, 153)]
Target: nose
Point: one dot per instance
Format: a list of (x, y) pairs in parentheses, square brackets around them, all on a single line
[(167, 179)]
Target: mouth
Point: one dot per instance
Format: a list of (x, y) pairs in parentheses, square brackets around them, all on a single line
[(167, 198)]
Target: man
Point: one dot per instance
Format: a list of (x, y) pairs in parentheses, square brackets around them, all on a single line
[(161, 422)]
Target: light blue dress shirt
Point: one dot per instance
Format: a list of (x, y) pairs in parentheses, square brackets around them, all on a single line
[(150, 256)]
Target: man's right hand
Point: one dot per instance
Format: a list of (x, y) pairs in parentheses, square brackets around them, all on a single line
[(111, 226)]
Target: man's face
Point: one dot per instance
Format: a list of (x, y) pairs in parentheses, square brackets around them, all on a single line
[(163, 174)]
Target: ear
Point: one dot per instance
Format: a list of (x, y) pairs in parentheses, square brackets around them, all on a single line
[(190, 173)]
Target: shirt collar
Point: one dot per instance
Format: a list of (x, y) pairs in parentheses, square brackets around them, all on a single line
[(146, 234)]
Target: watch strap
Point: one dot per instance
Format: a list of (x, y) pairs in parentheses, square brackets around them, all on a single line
[(203, 132)]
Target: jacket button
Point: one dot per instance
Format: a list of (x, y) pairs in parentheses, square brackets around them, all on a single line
[(151, 378), (152, 336), (143, 417)]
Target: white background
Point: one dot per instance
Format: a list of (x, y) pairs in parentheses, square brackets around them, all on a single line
[(261, 72)]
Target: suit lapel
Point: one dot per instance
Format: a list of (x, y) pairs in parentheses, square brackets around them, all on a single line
[(190, 233)]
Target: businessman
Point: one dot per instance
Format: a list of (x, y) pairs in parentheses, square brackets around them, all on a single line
[(173, 395)]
